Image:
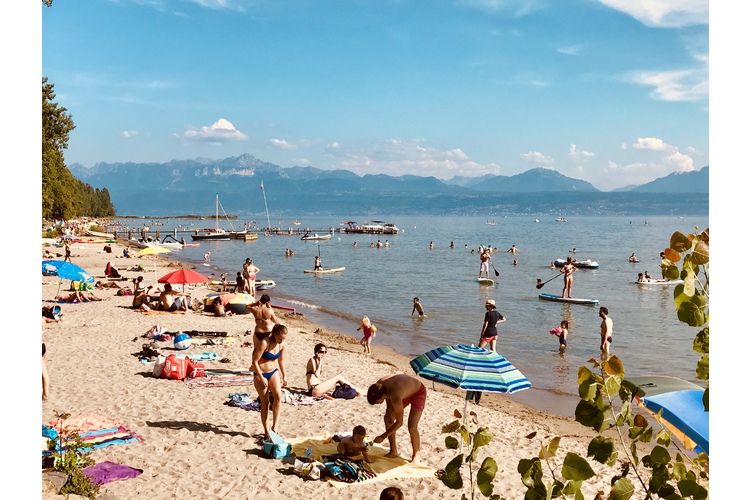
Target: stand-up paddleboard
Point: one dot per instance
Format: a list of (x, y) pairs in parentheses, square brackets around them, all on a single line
[(485, 281), (324, 271), (557, 298)]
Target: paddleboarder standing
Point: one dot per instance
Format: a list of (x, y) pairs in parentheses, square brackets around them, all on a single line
[(484, 266), (568, 269)]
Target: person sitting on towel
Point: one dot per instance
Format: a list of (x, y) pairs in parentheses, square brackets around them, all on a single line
[(354, 445), (172, 300)]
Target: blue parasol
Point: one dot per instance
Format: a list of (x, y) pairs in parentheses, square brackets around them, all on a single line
[(680, 403), (65, 270), (470, 368)]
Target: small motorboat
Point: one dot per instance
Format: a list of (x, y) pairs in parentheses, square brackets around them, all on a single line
[(580, 264), (561, 219), (316, 237)]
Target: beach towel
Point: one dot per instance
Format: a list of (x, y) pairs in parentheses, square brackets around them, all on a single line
[(106, 472), (243, 401), (100, 438), (384, 468), (151, 312)]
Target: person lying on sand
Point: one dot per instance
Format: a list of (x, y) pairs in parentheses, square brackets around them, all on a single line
[(77, 297)]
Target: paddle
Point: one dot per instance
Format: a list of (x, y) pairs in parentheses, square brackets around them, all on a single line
[(540, 285), (493, 267)]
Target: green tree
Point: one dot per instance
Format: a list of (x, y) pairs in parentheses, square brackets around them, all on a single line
[(64, 196)]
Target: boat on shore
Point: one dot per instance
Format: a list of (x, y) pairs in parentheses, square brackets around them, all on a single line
[(316, 237), (580, 264)]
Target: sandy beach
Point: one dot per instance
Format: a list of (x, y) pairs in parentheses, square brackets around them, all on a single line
[(195, 445)]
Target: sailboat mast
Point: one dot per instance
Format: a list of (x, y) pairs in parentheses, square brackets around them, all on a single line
[(217, 212), (268, 219)]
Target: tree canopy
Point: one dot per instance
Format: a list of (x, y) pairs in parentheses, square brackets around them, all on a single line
[(64, 196)]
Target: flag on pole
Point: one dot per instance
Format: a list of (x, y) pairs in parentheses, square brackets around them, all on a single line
[(261, 184)]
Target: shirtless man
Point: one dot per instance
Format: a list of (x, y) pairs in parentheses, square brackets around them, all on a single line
[(606, 332), (399, 391), (172, 300), (484, 258), (265, 318)]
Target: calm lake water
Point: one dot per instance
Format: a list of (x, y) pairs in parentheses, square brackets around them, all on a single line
[(381, 284)]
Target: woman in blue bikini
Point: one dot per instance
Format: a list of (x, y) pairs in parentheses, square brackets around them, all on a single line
[(270, 374)]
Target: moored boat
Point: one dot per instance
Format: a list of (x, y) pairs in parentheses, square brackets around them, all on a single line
[(211, 234), (581, 264), (316, 236)]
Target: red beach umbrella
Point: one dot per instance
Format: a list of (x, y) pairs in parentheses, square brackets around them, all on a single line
[(183, 277)]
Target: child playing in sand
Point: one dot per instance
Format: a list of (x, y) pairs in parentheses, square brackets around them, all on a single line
[(418, 308), (562, 334), (355, 444), (369, 331)]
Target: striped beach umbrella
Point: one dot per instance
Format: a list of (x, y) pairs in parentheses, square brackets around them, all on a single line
[(470, 368)]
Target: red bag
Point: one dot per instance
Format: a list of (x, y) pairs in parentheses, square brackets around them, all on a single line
[(175, 368), (195, 369)]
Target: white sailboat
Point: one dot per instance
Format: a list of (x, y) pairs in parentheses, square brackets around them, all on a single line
[(211, 234)]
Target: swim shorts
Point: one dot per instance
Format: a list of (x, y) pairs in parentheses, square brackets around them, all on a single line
[(417, 400)]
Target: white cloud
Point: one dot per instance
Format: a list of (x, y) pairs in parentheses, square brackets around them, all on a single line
[(401, 157), (282, 144), (576, 153), (129, 133), (651, 143), (663, 13), (681, 162), (537, 157), (676, 86), (514, 7), (221, 131), (236, 5)]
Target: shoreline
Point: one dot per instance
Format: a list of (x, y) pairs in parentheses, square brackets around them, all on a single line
[(194, 432)]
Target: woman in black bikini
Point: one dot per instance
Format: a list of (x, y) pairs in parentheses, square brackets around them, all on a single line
[(315, 387), (269, 374)]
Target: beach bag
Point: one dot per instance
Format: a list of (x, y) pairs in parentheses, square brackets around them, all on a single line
[(195, 369), (344, 391), (159, 365), (308, 468), (175, 368), (276, 447), (52, 312)]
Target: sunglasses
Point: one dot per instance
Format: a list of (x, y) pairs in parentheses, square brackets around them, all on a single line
[(322, 352)]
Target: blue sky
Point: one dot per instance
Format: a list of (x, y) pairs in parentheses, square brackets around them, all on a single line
[(614, 92)]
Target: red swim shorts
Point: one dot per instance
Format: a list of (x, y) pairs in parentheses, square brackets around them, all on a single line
[(417, 400)]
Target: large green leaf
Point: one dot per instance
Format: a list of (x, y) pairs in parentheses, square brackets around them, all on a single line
[(450, 428), (485, 476), (679, 243), (700, 342), (603, 450), (692, 489), (576, 468), (691, 314), (451, 442), (622, 489), (531, 471), (701, 370), (482, 437), (587, 390), (660, 456), (700, 254), (670, 272), (452, 477)]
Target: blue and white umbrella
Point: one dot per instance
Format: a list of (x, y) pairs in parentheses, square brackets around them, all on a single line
[(65, 270), (470, 368)]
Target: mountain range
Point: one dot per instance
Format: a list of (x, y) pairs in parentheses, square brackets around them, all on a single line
[(184, 187)]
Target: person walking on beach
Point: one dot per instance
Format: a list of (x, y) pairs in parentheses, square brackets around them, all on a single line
[(269, 375), (568, 269), (606, 332), (417, 308), (484, 266), (239, 283), (369, 332), (265, 319), (399, 391), (489, 329), (67, 251)]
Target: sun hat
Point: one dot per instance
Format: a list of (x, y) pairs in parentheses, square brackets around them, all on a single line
[(490, 302)]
